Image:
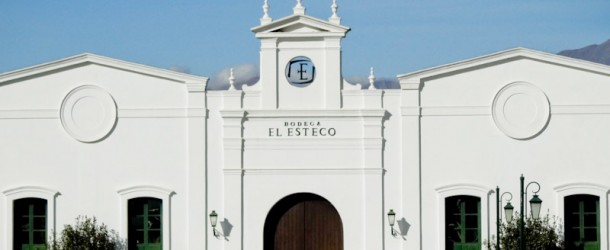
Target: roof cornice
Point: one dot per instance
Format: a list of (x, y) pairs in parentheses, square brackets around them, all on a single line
[(304, 19), (88, 58), (507, 55)]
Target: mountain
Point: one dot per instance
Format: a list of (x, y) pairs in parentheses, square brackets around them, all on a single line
[(599, 53)]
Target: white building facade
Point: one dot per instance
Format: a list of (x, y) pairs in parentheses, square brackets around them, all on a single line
[(303, 159)]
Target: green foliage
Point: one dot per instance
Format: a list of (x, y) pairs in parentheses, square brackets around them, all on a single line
[(540, 234), (86, 235)]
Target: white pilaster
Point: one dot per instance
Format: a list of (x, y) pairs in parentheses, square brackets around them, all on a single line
[(411, 164), (230, 221), (333, 78), (269, 75), (197, 167), (373, 140), (372, 134), (373, 210)]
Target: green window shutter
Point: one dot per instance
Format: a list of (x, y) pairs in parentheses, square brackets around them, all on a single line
[(582, 222), (463, 223), (30, 224), (145, 229)]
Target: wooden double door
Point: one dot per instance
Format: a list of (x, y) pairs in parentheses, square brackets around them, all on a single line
[(303, 222)]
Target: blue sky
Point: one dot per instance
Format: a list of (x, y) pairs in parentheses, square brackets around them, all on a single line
[(206, 36)]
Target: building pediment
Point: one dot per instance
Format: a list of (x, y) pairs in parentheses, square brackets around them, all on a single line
[(300, 24), (197, 82), (415, 79)]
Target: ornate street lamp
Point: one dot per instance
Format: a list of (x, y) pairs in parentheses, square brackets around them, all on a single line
[(535, 203), (508, 213)]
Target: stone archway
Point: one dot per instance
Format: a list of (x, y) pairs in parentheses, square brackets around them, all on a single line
[(303, 221)]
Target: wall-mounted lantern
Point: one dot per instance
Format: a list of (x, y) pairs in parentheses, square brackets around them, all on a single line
[(392, 220), (213, 221)]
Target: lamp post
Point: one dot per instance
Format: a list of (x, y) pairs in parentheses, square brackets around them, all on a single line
[(535, 203), (508, 213)]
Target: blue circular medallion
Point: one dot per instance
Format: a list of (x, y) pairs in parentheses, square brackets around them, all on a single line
[(300, 71)]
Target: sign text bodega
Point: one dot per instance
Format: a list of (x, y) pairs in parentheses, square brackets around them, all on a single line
[(302, 129)]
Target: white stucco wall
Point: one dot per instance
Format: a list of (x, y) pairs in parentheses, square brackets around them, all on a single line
[(461, 143), (146, 147)]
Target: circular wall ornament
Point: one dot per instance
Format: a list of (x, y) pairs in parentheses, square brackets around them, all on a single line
[(88, 113), (300, 71), (521, 110)]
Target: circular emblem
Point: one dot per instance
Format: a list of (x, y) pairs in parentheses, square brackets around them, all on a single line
[(521, 110), (300, 71), (88, 113)]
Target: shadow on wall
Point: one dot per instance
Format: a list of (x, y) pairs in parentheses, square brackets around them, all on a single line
[(403, 228), (227, 227)]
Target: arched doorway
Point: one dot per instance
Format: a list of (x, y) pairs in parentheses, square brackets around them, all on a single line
[(303, 222)]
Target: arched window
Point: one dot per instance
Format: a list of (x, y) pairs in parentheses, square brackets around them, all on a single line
[(30, 224), (145, 211), (581, 214), (583, 207), (463, 222), (20, 201), (145, 229)]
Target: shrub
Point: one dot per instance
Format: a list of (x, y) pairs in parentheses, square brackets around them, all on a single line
[(86, 235), (540, 234)]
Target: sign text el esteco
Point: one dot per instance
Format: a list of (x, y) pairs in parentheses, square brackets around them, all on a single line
[(302, 129)]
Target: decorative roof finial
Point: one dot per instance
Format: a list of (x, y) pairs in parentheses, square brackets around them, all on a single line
[(232, 81), (299, 9), (266, 18), (335, 19), (372, 79)]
